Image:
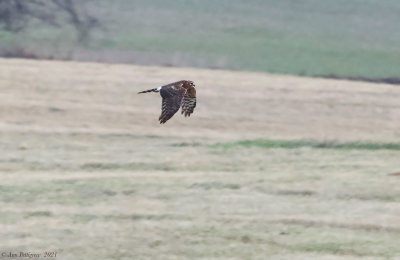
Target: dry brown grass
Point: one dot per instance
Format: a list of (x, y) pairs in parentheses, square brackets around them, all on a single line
[(86, 169)]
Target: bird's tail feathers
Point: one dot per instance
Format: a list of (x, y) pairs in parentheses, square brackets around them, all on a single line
[(149, 90)]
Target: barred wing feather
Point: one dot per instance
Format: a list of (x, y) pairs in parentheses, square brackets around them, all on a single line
[(171, 101)]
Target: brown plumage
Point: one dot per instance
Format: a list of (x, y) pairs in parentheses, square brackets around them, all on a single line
[(180, 94)]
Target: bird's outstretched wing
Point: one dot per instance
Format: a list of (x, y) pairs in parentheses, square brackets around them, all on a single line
[(189, 101), (172, 96)]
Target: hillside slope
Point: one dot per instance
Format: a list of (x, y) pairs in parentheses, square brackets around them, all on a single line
[(85, 97)]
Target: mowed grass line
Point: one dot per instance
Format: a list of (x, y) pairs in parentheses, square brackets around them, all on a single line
[(295, 144)]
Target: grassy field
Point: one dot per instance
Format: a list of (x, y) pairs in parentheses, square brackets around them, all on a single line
[(268, 167), (358, 38)]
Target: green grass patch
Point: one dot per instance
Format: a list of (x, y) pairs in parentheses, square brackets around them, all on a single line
[(331, 248), (295, 144), (186, 144), (38, 214), (215, 185)]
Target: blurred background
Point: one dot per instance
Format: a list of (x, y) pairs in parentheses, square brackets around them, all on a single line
[(292, 151), (313, 38)]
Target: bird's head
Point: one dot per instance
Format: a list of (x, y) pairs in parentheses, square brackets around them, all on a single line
[(190, 83)]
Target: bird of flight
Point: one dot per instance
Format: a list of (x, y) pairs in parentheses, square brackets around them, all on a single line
[(180, 94)]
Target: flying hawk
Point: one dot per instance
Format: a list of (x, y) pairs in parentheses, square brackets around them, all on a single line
[(175, 95)]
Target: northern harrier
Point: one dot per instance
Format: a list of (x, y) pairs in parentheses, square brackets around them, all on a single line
[(175, 95)]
